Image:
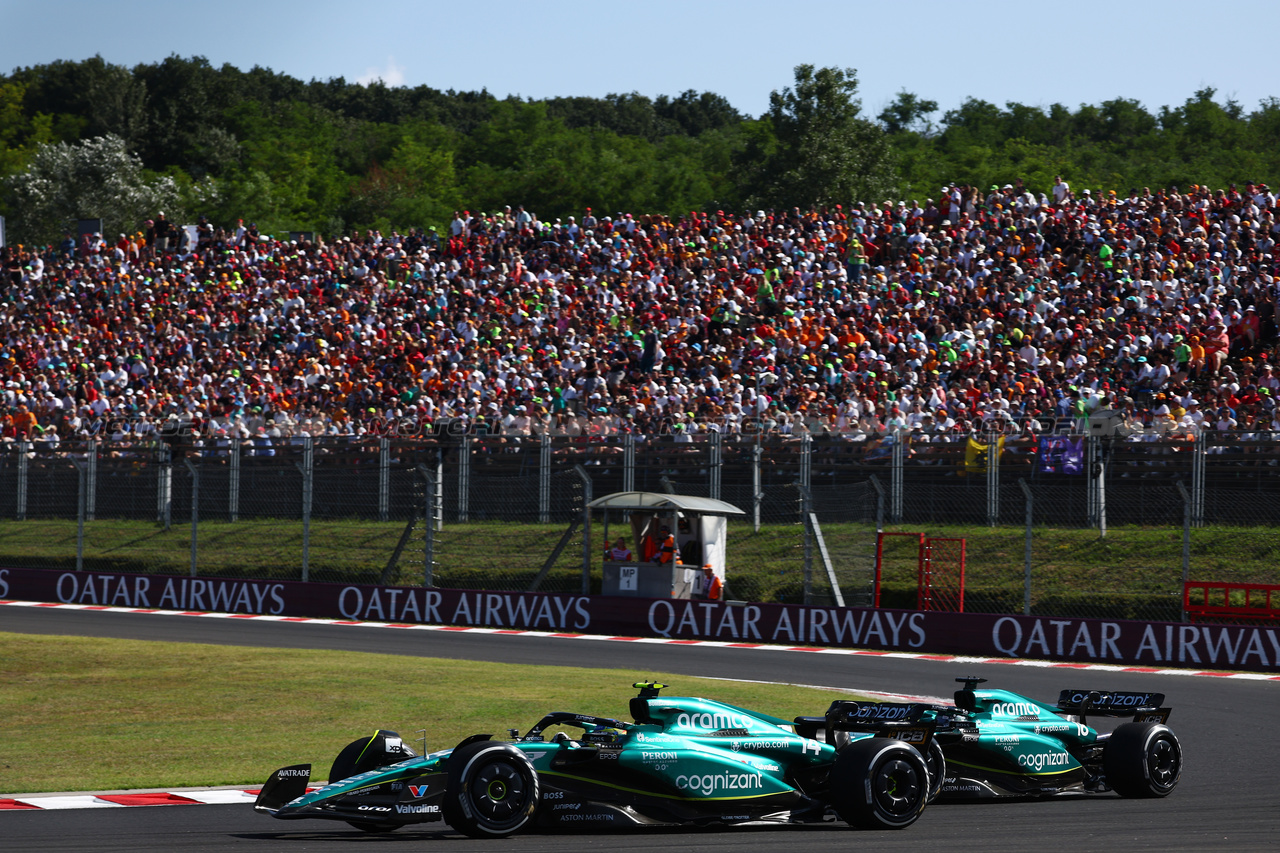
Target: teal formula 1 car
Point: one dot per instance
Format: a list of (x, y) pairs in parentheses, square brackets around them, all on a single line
[(683, 761), (1000, 744)]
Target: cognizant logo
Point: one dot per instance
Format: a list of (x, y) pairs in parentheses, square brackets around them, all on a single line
[(709, 783), (715, 722), (1041, 760)]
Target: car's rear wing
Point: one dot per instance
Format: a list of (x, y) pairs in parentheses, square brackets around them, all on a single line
[(907, 721), (1143, 707)]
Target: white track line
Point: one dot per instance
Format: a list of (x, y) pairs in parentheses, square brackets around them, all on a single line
[(719, 644)]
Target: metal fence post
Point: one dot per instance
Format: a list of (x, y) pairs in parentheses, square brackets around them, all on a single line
[(805, 509), (1026, 557), (875, 484), (806, 462), (384, 479), (757, 494), (1198, 485), (716, 458), (1186, 540), (993, 480), (544, 479), (164, 486), (307, 467), (1096, 461), (438, 480), (233, 481), (80, 500), (586, 527), (629, 463), (23, 470), (195, 511), (428, 524), (896, 474), (91, 483), (464, 479)]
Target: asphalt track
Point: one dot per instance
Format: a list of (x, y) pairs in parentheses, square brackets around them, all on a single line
[(1228, 798)]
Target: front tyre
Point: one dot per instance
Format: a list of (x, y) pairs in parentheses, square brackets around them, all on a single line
[(492, 790), (1142, 760), (879, 783), (937, 764)]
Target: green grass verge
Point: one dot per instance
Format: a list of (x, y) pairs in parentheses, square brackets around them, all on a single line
[(107, 714)]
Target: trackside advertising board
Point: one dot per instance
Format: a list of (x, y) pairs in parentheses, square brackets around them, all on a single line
[(1156, 644)]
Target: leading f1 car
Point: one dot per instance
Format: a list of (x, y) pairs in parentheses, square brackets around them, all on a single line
[(683, 761), (1002, 744)]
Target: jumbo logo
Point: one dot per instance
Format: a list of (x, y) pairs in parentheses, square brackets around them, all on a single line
[(1041, 760), (714, 722), (1015, 709)]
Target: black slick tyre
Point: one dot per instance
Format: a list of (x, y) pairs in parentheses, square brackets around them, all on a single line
[(492, 790), (879, 783), (937, 764), (1142, 760)]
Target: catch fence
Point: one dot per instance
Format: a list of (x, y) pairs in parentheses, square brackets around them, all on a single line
[(1065, 526)]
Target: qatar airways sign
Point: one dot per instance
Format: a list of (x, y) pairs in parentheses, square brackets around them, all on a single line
[(1159, 644)]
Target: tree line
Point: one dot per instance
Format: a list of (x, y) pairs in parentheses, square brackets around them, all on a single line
[(334, 155)]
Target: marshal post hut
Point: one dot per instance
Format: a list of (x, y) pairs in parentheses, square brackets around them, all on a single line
[(653, 569)]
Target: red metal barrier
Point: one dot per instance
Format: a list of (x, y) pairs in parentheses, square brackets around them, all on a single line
[(1205, 601), (880, 537), (942, 575)]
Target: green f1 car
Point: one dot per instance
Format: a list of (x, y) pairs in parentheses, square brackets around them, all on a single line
[(683, 761), (1001, 744)]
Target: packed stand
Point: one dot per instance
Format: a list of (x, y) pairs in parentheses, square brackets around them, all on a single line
[(968, 313)]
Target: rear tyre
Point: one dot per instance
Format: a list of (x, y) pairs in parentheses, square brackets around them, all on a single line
[(1142, 760), (492, 790), (879, 783)]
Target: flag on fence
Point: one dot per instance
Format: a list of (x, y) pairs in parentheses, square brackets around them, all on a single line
[(976, 455), (1060, 454)]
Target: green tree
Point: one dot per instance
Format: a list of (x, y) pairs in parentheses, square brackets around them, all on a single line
[(909, 112), (94, 178), (824, 151)]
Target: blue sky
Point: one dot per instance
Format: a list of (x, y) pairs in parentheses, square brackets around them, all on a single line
[(1031, 52)]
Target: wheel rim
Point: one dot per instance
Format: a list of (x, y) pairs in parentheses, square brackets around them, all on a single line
[(1162, 762), (498, 791), (897, 787)]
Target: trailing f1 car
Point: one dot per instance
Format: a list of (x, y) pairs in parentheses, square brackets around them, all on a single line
[(1000, 744), (683, 761)]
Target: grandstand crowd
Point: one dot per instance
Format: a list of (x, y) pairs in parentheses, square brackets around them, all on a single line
[(976, 310)]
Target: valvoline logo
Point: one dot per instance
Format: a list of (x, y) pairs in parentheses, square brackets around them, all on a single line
[(418, 790)]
